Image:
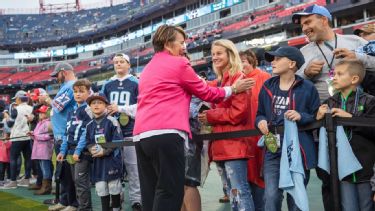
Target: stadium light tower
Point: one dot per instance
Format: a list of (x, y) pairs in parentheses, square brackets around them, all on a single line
[(59, 7)]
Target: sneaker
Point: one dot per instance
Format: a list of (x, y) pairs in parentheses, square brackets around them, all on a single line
[(24, 183), (20, 177), (10, 185), (32, 180), (56, 207), (137, 206), (69, 208)]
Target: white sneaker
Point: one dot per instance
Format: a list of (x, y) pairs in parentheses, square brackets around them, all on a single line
[(69, 208), (10, 185), (56, 207), (24, 183)]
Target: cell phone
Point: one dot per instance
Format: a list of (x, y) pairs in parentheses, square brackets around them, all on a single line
[(203, 108)]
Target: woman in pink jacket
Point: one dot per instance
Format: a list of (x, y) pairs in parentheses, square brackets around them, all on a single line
[(162, 119), (43, 149)]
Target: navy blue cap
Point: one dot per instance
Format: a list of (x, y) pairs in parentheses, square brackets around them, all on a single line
[(311, 10), (97, 96), (289, 52)]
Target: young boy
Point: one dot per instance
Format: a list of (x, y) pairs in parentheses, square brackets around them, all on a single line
[(74, 144), (107, 162), (351, 101), (290, 96), (122, 92)]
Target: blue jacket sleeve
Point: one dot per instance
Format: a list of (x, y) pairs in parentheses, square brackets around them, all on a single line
[(61, 101), (64, 145), (309, 115), (81, 142), (261, 113)]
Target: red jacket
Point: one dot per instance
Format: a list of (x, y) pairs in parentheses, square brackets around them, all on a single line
[(255, 163), (229, 115)]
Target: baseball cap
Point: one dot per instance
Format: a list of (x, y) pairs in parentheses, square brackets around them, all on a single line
[(97, 96), (289, 52), (367, 28), (38, 92), (20, 93), (61, 66), (126, 57), (311, 10), (42, 109)]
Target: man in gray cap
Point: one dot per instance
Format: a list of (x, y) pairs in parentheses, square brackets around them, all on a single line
[(62, 105), (326, 48)]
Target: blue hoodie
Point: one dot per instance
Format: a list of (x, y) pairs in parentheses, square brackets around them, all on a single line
[(302, 97)]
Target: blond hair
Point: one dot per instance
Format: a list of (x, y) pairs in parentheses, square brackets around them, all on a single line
[(354, 67), (233, 56)]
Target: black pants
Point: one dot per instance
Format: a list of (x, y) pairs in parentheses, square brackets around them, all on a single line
[(67, 188), (326, 189), (15, 151), (4, 168), (161, 166)]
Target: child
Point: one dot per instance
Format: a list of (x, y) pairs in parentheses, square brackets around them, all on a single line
[(4, 160), (295, 98), (122, 92), (351, 101), (74, 144), (43, 149), (107, 162)]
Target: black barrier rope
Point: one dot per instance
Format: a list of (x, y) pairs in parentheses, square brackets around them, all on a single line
[(353, 121)]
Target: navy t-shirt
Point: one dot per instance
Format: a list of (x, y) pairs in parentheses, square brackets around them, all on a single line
[(280, 106), (106, 129), (122, 93)]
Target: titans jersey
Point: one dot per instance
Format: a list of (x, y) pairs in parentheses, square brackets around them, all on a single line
[(122, 93), (105, 129), (74, 141)]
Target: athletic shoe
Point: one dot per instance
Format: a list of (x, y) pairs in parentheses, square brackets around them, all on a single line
[(69, 208), (24, 183), (10, 185), (56, 207)]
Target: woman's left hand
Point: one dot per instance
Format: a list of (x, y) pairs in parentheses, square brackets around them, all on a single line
[(242, 85)]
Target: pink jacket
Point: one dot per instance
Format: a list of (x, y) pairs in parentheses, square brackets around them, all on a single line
[(43, 143), (165, 89), (5, 151)]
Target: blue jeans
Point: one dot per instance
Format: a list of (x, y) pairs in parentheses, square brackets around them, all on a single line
[(235, 172), (355, 197), (258, 196), (45, 167), (273, 196)]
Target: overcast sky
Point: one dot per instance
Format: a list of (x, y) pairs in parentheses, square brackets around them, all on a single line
[(35, 3)]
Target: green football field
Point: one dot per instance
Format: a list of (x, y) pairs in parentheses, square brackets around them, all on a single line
[(23, 199)]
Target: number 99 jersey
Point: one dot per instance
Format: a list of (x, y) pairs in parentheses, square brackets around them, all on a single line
[(123, 92)]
